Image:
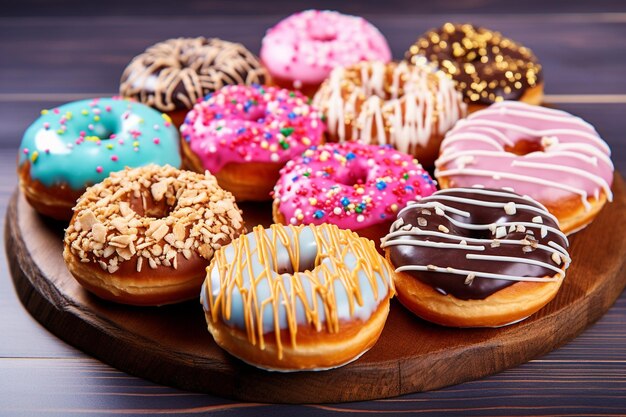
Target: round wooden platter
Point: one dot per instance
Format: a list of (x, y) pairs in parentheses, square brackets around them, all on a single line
[(170, 345)]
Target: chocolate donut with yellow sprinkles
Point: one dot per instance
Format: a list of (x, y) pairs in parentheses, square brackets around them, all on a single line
[(486, 66)]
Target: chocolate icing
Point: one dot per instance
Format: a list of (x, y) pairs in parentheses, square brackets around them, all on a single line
[(425, 218), (487, 66), (174, 74)]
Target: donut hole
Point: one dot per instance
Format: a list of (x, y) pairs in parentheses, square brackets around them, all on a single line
[(324, 36), (525, 146), (102, 130), (146, 206), (352, 175), (304, 266)]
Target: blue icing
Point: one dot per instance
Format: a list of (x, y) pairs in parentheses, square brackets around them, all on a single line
[(71, 144), (308, 252)]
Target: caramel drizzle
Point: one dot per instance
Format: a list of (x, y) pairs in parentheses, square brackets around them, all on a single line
[(199, 65), (421, 103), (333, 245)]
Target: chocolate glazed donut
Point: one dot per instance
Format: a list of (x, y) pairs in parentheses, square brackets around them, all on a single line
[(487, 66), (471, 246)]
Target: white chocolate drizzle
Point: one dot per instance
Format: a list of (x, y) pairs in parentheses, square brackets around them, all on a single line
[(396, 103)]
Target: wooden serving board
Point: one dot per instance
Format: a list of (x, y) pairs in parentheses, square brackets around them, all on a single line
[(170, 345)]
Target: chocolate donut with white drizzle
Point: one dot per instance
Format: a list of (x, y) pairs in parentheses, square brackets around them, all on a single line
[(468, 245), (173, 75)]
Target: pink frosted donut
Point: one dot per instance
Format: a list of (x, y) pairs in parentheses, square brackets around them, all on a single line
[(352, 185), (301, 50), (550, 155), (244, 134)]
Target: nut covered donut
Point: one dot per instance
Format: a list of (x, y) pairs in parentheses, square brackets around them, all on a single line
[(554, 157), (301, 50), (487, 66), (409, 107), (144, 236), (293, 298), (472, 257), (352, 185), (244, 134), (78, 144), (173, 75)]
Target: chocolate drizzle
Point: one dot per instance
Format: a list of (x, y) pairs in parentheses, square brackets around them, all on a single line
[(471, 242), (174, 74), (487, 66)]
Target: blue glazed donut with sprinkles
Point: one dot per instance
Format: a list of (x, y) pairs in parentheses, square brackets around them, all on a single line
[(78, 144)]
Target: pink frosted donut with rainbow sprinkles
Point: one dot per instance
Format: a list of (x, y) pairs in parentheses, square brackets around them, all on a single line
[(550, 155), (244, 134), (301, 50), (352, 185)]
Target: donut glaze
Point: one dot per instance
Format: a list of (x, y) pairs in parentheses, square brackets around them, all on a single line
[(306, 46), (241, 124), (80, 143), (351, 185), (472, 242), (487, 66), (175, 74), (286, 281), (547, 154)]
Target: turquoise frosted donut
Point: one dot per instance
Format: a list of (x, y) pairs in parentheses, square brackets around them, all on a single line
[(78, 144)]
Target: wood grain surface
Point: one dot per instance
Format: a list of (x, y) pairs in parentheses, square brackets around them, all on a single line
[(170, 345), (53, 52)]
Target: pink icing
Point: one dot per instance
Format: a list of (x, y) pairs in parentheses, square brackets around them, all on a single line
[(572, 158), (350, 184), (242, 124), (306, 46)]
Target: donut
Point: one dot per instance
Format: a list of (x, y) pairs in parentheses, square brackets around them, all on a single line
[(320, 297), (472, 257), (144, 236), (173, 75), (244, 134), (301, 50), (78, 144), (554, 157), (352, 185), (408, 106), (486, 66)]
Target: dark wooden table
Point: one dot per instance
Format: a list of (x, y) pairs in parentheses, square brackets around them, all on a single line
[(57, 52)]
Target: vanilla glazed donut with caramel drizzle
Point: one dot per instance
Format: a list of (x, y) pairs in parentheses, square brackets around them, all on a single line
[(291, 298), (144, 236), (476, 257), (173, 75), (550, 155), (486, 66), (410, 107)]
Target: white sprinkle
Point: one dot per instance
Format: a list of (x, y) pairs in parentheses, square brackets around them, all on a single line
[(470, 279), (360, 218), (337, 211), (443, 228), (495, 244), (537, 219), (274, 157), (510, 208), (500, 232), (439, 211), (421, 221), (556, 258), (544, 231)]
